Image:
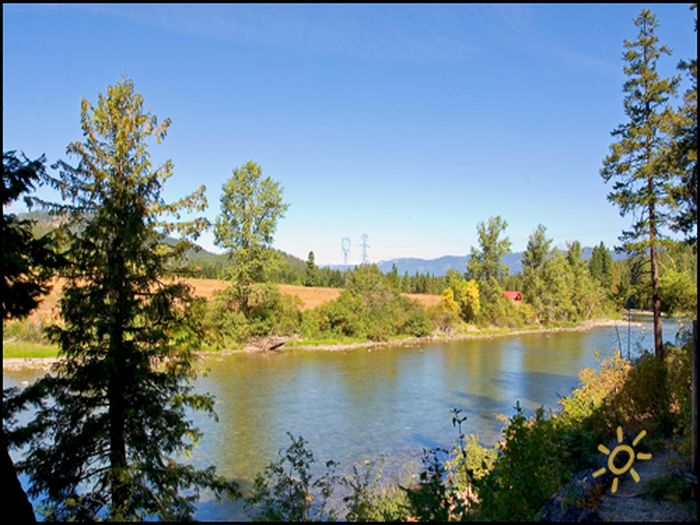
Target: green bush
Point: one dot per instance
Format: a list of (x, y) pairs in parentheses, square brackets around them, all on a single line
[(368, 501), (270, 312), (287, 491), (527, 469), (29, 330), (368, 309)]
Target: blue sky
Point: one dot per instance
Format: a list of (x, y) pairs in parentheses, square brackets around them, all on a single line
[(410, 123)]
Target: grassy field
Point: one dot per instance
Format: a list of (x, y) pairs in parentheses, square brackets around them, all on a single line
[(24, 349), (310, 297)]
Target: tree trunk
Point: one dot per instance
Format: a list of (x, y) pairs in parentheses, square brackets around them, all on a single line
[(116, 388), (656, 300), (16, 506), (117, 442)]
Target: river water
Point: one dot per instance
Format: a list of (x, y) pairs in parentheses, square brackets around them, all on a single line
[(364, 404)]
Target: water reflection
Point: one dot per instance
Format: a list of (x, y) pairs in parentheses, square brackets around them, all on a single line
[(357, 405)]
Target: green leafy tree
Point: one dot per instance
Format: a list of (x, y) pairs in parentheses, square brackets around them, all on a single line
[(311, 275), (536, 254), (486, 265), (251, 205), (637, 162), (557, 304), (678, 291), (111, 419), (586, 296)]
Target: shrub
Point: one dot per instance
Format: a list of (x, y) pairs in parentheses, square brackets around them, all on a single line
[(269, 312), (368, 501), (286, 491), (369, 308), (30, 329), (526, 471)]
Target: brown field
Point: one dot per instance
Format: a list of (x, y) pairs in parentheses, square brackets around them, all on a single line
[(310, 297)]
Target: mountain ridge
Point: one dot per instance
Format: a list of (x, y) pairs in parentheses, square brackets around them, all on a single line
[(440, 265)]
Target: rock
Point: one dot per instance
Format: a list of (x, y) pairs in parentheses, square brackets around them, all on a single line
[(569, 504), (267, 343)]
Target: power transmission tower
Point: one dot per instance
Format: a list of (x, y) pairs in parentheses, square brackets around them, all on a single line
[(364, 246), (345, 246)]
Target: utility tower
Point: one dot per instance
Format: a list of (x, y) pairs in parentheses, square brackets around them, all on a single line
[(345, 246), (364, 246)]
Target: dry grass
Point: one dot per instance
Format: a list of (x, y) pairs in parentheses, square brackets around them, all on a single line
[(310, 297)]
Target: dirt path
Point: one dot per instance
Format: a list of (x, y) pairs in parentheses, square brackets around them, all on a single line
[(631, 502), (586, 498)]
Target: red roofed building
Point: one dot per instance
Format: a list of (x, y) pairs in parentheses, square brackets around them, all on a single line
[(513, 295)]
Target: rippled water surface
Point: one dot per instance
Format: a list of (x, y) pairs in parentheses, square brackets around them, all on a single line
[(355, 405)]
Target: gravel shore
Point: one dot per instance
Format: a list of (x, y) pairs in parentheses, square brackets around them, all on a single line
[(18, 363)]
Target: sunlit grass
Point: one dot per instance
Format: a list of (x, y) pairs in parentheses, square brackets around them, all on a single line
[(25, 349)]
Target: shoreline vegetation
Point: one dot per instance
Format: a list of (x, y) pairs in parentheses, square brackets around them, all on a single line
[(43, 356)]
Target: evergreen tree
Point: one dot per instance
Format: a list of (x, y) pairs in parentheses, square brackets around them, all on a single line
[(637, 162), (251, 205), (405, 282), (27, 265), (393, 277), (600, 266), (311, 275), (111, 419)]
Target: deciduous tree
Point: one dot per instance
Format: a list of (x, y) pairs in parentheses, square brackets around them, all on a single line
[(486, 264), (251, 205)]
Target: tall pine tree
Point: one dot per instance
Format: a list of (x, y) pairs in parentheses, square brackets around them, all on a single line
[(311, 271), (636, 162), (111, 418)]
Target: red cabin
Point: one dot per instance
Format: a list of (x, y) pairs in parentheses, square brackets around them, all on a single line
[(513, 295)]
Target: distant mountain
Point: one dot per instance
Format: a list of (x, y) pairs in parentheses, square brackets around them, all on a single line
[(44, 222), (440, 265)]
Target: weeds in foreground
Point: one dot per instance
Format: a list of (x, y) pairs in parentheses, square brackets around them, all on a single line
[(535, 458)]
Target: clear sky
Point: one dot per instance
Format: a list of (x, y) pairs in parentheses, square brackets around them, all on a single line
[(410, 123)]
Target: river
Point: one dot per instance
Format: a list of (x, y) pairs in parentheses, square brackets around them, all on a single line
[(363, 404)]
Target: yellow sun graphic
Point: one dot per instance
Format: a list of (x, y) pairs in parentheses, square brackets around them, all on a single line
[(626, 449)]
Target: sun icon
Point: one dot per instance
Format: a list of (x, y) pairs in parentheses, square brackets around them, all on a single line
[(625, 449)]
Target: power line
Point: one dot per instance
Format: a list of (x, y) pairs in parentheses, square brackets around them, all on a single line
[(364, 246), (345, 246)]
